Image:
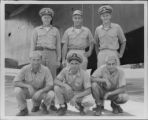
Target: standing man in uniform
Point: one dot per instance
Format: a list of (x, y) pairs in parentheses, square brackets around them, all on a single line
[(46, 39), (77, 38), (72, 85), (109, 37), (34, 82), (108, 82)]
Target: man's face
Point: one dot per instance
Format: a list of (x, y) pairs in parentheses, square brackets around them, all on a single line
[(74, 65), (111, 65), (46, 19), (35, 61), (105, 17), (77, 20)]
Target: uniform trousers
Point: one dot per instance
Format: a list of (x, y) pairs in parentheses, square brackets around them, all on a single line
[(22, 94), (99, 92), (103, 54)]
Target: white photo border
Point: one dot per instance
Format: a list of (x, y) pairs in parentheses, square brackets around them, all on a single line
[(70, 117)]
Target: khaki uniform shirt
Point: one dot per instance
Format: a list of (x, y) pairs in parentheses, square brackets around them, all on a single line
[(45, 37), (78, 82), (115, 80), (39, 80), (109, 39), (77, 40)]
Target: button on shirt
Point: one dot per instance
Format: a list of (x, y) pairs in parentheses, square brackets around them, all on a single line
[(109, 39), (39, 80), (77, 39), (46, 37), (78, 82), (115, 79)]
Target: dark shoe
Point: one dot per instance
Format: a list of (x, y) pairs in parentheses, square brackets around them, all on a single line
[(116, 108), (120, 110), (98, 110), (94, 109), (35, 109), (53, 108), (80, 108), (62, 111), (23, 112), (44, 108)]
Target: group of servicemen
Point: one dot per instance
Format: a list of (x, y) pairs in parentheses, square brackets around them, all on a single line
[(39, 81)]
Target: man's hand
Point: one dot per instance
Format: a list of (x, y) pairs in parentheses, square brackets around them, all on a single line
[(64, 63), (107, 95), (31, 90), (37, 95), (86, 54), (120, 55)]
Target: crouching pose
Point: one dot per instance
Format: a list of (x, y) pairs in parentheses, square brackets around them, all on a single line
[(34, 82), (108, 82), (72, 85)]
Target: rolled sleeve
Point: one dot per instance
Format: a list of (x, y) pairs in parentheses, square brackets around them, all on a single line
[(97, 73), (122, 80), (121, 35), (90, 37), (65, 37), (62, 76), (96, 38), (87, 83), (21, 76), (48, 78)]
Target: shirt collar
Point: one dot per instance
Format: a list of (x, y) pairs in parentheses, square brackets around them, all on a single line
[(109, 26), (39, 71), (73, 28), (42, 27), (77, 74)]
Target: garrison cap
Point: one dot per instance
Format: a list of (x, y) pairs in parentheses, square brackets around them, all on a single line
[(77, 12), (46, 11), (74, 56), (105, 9)]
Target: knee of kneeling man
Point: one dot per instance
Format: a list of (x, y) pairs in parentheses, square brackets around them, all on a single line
[(57, 88), (94, 85), (18, 90), (51, 94), (124, 97)]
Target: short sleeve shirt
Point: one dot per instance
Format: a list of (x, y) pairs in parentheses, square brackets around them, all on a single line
[(39, 80), (115, 80), (76, 39), (109, 39), (46, 37), (78, 82)]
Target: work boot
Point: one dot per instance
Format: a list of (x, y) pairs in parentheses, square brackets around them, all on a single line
[(62, 110), (116, 108), (98, 110), (44, 108), (35, 108), (23, 112), (53, 108), (95, 108), (80, 108), (120, 110)]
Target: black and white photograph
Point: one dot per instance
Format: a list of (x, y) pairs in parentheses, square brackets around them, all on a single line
[(75, 59)]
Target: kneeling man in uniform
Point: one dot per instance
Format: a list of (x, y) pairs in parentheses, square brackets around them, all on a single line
[(108, 82), (35, 82), (72, 85)]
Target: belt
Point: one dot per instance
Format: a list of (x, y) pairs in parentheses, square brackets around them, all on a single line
[(42, 48), (76, 48), (108, 49)]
